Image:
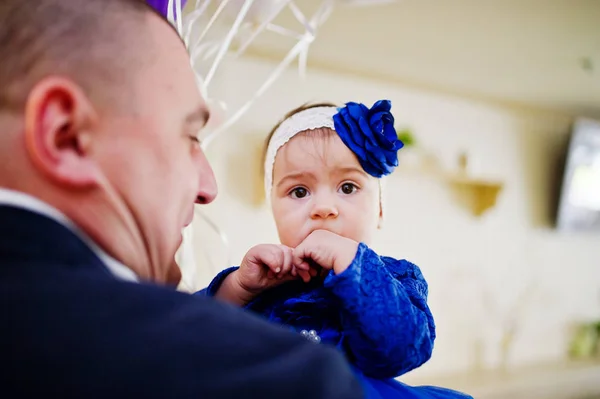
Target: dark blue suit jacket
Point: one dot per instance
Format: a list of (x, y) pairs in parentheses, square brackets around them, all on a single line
[(69, 329)]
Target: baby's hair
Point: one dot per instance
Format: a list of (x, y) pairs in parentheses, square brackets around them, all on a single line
[(293, 112)]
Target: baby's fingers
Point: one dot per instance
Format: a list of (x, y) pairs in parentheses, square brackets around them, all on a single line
[(273, 259), (304, 275), (299, 258), (286, 265)]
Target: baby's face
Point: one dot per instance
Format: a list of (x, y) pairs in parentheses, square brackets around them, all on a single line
[(319, 184)]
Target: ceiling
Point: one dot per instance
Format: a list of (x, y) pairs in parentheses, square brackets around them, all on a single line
[(535, 53)]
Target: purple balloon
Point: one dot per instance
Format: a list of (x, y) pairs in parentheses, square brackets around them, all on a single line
[(162, 6)]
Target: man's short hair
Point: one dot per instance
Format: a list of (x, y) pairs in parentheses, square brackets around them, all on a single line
[(93, 42)]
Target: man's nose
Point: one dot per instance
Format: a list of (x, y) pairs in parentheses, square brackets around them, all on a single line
[(207, 187)]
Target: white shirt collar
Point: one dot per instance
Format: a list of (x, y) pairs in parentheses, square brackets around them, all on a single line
[(25, 201)]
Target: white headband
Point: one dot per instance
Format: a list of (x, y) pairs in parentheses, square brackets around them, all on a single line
[(308, 119)]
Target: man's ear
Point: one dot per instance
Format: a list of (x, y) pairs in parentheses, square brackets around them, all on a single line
[(59, 119)]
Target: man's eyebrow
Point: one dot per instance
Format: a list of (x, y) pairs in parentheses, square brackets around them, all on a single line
[(200, 115)]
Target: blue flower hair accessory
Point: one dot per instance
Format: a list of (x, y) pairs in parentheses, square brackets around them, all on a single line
[(370, 134)]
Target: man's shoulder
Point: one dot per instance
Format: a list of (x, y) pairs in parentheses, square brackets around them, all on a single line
[(127, 338), (93, 302)]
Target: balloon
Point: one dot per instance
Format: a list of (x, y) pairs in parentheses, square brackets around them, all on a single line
[(162, 6)]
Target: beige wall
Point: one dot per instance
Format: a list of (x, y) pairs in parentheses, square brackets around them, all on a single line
[(478, 269)]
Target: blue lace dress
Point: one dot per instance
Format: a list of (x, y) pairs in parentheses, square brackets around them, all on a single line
[(375, 312)]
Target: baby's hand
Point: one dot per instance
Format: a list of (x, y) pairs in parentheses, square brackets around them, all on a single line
[(327, 249), (264, 266)]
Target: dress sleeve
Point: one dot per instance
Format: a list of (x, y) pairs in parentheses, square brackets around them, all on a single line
[(387, 325), (216, 282)]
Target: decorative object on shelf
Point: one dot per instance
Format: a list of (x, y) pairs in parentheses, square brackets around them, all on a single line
[(586, 341), (478, 194), (407, 137)]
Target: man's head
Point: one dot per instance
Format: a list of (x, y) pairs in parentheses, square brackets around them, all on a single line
[(99, 116)]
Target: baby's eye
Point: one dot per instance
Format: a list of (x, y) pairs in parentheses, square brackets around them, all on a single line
[(299, 192), (348, 188)]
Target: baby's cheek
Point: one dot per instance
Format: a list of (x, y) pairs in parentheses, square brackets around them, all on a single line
[(288, 233), (290, 241), (364, 230)]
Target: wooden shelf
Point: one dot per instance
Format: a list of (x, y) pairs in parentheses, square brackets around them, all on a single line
[(476, 194)]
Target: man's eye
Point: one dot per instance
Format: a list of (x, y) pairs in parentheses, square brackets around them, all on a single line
[(348, 188), (299, 192)]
